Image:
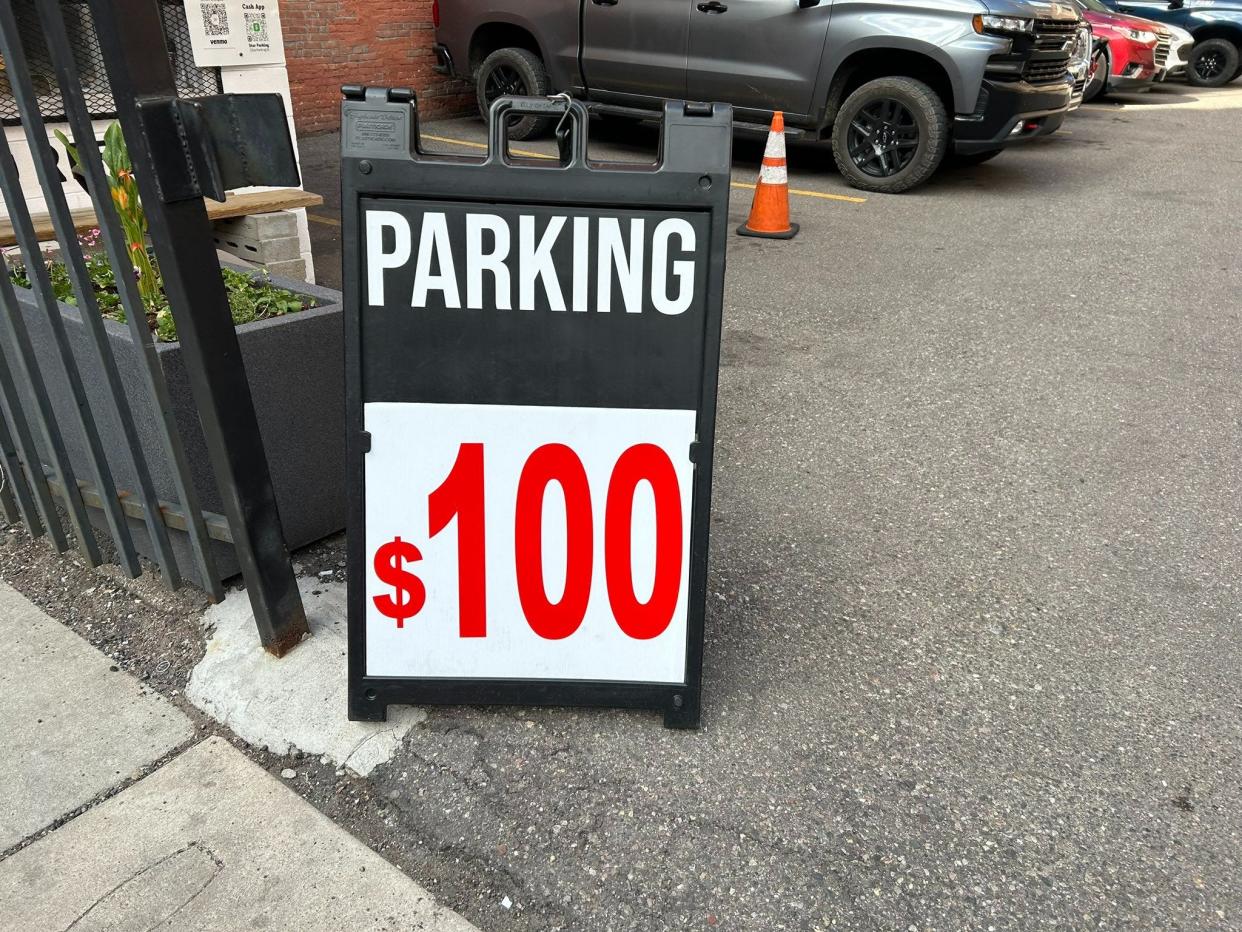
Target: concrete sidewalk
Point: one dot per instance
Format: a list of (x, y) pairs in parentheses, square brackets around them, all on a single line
[(209, 842), (74, 726)]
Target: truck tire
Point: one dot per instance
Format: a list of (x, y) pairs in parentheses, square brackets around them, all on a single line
[(1212, 63), (890, 135), (518, 72)]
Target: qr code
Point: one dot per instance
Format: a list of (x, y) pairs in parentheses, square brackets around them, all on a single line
[(256, 26), (215, 19)]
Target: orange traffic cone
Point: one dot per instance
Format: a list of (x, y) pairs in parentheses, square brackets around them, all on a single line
[(769, 212)]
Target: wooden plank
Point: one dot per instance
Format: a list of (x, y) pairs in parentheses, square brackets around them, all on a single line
[(261, 202), (235, 205)]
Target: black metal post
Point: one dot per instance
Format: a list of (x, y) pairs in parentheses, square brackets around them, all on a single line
[(132, 39)]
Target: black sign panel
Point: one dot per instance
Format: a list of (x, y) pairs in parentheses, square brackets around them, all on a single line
[(533, 352)]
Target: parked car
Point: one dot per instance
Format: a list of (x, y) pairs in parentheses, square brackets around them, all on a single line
[(895, 86), (1180, 44), (1129, 62), (1216, 26)]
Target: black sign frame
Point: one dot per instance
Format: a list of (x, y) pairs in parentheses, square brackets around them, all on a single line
[(382, 157)]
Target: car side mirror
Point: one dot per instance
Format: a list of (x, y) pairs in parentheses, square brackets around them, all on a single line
[(1176, 4), (805, 4)]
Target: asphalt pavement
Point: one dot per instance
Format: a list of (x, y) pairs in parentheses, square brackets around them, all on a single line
[(973, 644)]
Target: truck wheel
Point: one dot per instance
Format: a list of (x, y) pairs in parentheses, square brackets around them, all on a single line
[(1212, 63), (513, 72), (890, 135)]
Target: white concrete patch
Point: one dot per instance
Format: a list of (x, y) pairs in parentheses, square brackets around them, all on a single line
[(72, 725), (210, 843), (298, 701)]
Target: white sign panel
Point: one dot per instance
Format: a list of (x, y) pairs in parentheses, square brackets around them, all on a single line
[(234, 32), (527, 542)]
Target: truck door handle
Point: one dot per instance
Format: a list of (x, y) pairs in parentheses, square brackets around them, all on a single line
[(715, 6), (604, 2)]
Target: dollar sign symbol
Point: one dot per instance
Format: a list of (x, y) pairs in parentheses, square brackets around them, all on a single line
[(411, 593)]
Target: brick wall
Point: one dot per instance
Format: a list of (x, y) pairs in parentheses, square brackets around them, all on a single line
[(333, 42)]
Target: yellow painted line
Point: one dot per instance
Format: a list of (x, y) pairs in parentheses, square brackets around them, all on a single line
[(802, 193), (527, 153), (326, 221)]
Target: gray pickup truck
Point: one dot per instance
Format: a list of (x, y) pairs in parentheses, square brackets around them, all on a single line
[(895, 84)]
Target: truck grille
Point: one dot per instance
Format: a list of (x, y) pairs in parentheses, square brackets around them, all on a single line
[(1045, 72), (1053, 34), (1162, 51), (1054, 38)]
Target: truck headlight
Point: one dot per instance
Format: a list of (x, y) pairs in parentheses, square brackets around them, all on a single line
[(1002, 25)]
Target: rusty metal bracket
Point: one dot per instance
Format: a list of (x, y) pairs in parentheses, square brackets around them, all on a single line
[(209, 145)]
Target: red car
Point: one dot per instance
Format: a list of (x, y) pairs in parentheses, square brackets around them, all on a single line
[(1132, 50)]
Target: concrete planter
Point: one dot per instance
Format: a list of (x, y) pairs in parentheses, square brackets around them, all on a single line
[(295, 365)]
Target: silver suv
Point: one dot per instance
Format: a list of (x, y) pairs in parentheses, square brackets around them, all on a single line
[(895, 84)]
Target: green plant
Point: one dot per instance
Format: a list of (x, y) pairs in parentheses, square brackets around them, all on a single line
[(129, 209), (250, 297)]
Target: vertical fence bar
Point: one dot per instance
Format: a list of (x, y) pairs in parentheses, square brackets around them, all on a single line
[(15, 492), (8, 505), (19, 431), (62, 222), (51, 16), (27, 365), (132, 38)]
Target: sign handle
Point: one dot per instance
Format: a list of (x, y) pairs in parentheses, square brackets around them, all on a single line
[(571, 131)]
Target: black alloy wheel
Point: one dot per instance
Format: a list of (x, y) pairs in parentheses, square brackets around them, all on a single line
[(513, 72), (1210, 65), (890, 135), (882, 138), (504, 80)]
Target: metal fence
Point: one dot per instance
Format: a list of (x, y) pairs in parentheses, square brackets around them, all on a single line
[(61, 389), (191, 80)]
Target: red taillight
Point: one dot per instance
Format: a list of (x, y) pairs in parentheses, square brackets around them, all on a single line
[(435, 13)]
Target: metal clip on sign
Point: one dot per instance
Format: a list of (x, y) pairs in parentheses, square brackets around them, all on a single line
[(564, 142), (532, 356)]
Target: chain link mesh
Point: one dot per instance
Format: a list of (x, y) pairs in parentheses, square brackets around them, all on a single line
[(192, 81)]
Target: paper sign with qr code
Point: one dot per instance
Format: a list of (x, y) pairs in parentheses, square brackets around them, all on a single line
[(234, 32)]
